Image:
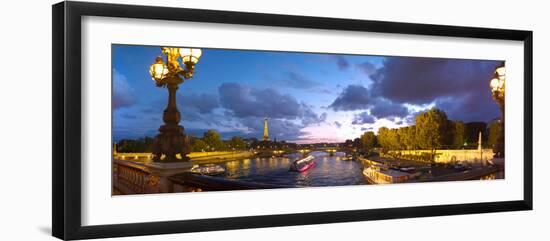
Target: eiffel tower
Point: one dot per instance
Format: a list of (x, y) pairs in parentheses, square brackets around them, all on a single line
[(266, 132)]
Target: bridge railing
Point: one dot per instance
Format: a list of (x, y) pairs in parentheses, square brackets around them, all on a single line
[(132, 177), (195, 156), (207, 183), (129, 177)]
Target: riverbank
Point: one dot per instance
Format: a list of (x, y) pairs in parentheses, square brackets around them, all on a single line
[(196, 157), (218, 157), (373, 160), (439, 172)]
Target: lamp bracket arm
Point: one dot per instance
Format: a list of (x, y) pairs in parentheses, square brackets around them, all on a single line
[(186, 73)]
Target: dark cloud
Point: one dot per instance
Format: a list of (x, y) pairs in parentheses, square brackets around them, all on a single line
[(280, 129), (247, 102), (469, 108), (203, 103), (353, 97), (367, 67), (210, 119), (458, 87), (423, 80), (249, 106), (188, 114), (240, 110), (337, 124), (298, 81), (357, 97), (192, 107), (129, 116), (133, 133), (121, 100), (122, 92), (309, 117), (148, 110), (387, 109), (243, 102), (363, 118), (342, 63)]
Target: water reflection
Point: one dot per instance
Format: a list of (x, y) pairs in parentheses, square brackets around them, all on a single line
[(329, 171)]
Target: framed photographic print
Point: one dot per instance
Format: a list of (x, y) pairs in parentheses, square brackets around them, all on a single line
[(170, 120)]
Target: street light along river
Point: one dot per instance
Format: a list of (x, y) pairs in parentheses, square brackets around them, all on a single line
[(329, 171)]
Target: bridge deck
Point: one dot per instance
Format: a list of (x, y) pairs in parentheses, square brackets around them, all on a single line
[(209, 183)]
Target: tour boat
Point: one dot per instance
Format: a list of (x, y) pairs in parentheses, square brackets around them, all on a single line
[(208, 169), (408, 169), (380, 174), (302, 165)]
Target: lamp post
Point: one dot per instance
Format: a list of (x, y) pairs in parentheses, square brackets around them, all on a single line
[(497, 87), (171, 140)]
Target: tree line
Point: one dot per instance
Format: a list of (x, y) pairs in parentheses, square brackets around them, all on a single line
[(210, 141), (432, 130)]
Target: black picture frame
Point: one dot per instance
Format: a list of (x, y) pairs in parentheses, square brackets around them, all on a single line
[(66, 57)]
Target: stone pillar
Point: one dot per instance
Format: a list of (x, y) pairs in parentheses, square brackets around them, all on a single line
[(160, 171), (479, 142), (480, 150)]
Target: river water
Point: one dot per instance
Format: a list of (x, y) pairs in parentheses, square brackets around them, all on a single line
[(329, 171)]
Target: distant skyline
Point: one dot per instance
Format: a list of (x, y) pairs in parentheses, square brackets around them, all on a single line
[(306, 97)]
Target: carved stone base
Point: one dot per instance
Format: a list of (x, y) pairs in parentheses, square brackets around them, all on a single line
[(171, 145), (158, 181)]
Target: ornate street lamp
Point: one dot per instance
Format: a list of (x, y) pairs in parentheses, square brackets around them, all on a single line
[(171, 140), (497, 87)]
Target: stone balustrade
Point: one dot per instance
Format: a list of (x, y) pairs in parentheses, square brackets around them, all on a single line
[(132, 177), (129, 178), (195, 156), (447, 156)]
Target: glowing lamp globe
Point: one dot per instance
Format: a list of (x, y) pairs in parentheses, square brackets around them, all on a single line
[(158, 70), (189, 55), (494, 84), (501, 72), (501, 84)]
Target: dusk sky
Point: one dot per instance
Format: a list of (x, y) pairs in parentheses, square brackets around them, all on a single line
[(306, 97)]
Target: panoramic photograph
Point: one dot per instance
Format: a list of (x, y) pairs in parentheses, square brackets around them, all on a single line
[(192, 119)]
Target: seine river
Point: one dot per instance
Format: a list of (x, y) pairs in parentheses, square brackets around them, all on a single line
[(329, 171)]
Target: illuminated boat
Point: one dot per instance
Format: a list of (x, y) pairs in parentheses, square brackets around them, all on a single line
[(380, 174), (303, 164), (208, 169)]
